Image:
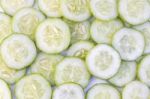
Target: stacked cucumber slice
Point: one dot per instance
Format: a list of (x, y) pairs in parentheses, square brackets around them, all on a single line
[(74, 49)]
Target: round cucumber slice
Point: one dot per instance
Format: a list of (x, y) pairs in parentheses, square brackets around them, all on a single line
[(104, 9), (126, 74), (134, 11), (45, 65), (18, 51), (10, 75), (68, 91), (103, 91), (75, 10), (12, 6), (80, 31), (33, 87), (72, 69), (5, 26), (135, 90), (103, 61), (129, 43), (144, 70), (52, 36), (5, 92), (145, 30), (80, 49), (26, 21), (94, 81), (103, 31), (50, 7)]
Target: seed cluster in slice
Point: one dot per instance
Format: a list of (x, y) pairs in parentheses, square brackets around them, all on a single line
[(129, 43), (72, 70), (26, 21), (33, 87), (52, 36), (103, 61), (18, 51), (45, 65)]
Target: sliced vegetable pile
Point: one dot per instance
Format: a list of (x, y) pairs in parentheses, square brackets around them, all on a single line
[(74, 49)]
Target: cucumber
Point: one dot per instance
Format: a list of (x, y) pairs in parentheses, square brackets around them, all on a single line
[(1, 9), (104, 9), (5, 92), (50, 7), (103, 31), (129, 43), (145, 30), (144, 70), (10, 75), (80, 31), (33, 87), (45, 65), (18, 51), (68, 91), (80, 49), (75, 10), (103, 91), (136, 90), (134, 11), (52, 36), (26, 21), (72, 69), (36, 6), (5, 26), (126, 74), (94, 81), (12, 6), (103, 61)]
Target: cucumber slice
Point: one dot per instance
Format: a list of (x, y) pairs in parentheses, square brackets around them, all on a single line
[(144, 70), (145, 30), (36, 6), (68, 91), (52, 36), (10, 75), (12, 6), (50, 7), (26, 21), (75, 10), (4, 90), (72, 69), (80, 31), (80, 49), (134, 11), (33, 87), (102, 31), (103, 91), (45, 65), (103, 61), (104, 9), (5, 26), (129, 43), (18, 51), (95, 81), (126, 74), (1, 9), (135, 90)]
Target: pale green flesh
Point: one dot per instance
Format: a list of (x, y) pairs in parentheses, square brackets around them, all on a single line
[(45, 64)]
